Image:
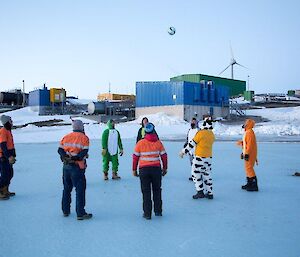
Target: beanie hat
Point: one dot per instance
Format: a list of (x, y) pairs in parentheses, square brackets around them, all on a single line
[(149, 128), (207, 123), (78, 125), (5, 119)]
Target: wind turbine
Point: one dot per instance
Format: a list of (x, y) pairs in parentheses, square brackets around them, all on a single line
[(232, 63)]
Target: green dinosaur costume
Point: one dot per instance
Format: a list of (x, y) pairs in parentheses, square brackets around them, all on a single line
[(111, 143)]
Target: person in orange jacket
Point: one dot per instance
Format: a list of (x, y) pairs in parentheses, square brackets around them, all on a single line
[(249, 155), (201, 167), (147, 155), (7, 157), (73, 151)]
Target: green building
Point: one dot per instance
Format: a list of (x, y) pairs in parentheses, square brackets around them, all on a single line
[(249, 95), (237, 87)]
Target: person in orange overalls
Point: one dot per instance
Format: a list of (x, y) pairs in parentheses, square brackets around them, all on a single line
[(147, 155), (73, 151), (249, 155), (7, 157)]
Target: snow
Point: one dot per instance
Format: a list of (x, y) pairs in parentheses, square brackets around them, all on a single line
[(234, 223), (284, 125), (239, 100)]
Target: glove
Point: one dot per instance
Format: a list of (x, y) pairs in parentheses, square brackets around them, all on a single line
[(181, 154), (164, 172), (75, 158), (242, 156), (134, 173), (239, 143), (104, 152), (67, 159), (246, 157), (121, 152), (12, 160)]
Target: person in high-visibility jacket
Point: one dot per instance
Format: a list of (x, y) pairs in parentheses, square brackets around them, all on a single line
[(73, 151), (147, 155), (7, 157), (201, 168), (249, 155)]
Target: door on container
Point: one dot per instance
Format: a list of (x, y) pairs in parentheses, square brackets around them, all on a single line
[(211, 111)]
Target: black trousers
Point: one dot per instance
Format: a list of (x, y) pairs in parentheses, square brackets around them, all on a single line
[(150, 178), (6, 172)]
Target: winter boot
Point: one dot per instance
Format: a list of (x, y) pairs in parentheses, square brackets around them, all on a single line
[(147, 217), (252, 185), (247, 184), (199, 194), (9, 193), (105, 175), (209, 196), (3, 195), (115, 175), (85, 216)]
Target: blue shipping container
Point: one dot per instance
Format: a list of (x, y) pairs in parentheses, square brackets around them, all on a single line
[(39, 97), (162, 93)]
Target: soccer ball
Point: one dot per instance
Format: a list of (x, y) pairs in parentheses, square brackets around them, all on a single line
[(171, 31)]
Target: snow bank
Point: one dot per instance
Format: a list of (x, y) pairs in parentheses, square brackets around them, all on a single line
[(284, 122), (25, 116), (161, 119), (288, 114)]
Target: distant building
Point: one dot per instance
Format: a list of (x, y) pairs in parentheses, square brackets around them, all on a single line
[(182, 99), (47, 102), (115, 97)]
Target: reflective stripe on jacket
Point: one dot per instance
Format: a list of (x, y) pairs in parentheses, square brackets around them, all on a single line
[(73, 144), (148, 152), (6, 137)]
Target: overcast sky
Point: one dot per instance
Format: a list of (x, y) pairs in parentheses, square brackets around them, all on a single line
[(83, 46)]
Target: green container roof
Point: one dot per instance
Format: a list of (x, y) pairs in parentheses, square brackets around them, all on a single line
[(237, 87)]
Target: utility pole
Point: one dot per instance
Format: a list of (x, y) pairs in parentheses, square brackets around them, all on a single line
[(24, 100), (248, 88)]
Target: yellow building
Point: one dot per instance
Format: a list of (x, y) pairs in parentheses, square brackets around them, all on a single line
[(115, 97), (57, 95)]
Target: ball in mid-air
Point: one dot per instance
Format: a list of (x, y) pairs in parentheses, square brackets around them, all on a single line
[(171, 31)]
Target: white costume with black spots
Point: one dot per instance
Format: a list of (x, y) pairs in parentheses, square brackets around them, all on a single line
[(201, 167), (201, 174)]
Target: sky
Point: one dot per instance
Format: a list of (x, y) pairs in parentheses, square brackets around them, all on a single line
[(83, 46)]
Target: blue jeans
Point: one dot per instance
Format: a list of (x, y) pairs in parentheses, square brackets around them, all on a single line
[(73, 177)]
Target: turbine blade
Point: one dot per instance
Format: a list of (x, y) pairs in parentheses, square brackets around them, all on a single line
[(241, 65), (224, 69)]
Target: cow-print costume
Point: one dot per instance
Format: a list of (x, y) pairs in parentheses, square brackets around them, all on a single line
[(201, 167)]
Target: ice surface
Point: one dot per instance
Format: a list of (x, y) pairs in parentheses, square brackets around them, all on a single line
[(235, 223)]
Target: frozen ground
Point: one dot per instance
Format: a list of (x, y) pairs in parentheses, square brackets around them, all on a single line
[(235, 223)]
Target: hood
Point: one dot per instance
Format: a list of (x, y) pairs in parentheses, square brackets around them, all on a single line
[(249, 124), (151, 137), (206, 124), (109, 124)]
